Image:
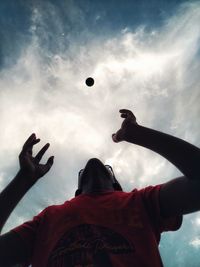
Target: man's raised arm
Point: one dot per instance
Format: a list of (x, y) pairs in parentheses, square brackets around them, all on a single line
[(13, 250), (30, 171), (185, 156)]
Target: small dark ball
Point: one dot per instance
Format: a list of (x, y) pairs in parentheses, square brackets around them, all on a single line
[(89, 81)]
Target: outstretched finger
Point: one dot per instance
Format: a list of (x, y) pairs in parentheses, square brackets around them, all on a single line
[(30, 142), (126, 113), (114, 138), (28, 148), (41, 153), (49, 162)]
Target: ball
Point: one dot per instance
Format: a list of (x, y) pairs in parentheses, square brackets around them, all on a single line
[(89, 81)]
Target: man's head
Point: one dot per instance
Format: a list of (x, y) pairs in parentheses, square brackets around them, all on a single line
[(96, 177)]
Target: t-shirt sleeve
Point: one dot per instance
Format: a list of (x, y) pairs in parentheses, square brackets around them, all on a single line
[(28, 231), (150, 198)]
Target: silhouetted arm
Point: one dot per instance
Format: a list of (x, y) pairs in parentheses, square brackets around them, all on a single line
[(31, 170), (13, 249), (11, 195), (185, 156), (180, 195)]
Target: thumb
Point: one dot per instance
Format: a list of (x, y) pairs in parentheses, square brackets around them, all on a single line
[(114, 138)]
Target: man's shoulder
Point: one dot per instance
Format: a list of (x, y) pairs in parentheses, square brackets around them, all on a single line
[(55, 207)]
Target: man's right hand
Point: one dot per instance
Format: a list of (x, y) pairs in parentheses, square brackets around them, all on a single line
[(30, 167), (129, 122)]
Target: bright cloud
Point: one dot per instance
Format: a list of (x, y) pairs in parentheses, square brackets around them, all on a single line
[(195, 243), (155, 74)]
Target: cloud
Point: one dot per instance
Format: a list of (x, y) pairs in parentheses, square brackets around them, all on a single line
[(195, 243), (153, 73)]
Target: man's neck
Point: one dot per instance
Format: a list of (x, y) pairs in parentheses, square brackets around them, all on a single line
[(96, 191)]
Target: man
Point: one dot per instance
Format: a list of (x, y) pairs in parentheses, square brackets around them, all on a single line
[(102, 225)]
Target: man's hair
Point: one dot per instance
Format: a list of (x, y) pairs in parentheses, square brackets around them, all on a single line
[(116, 186)]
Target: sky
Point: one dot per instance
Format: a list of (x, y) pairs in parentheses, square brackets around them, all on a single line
[(143, 55)]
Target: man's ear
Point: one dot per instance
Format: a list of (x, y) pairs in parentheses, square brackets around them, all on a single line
[(78, 192), (117, 187)]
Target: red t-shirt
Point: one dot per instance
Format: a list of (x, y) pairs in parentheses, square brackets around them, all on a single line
[(111, 229)]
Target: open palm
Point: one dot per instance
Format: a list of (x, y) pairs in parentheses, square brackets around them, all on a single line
[(30, 165)]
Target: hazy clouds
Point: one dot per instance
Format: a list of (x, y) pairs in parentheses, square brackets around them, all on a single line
[(154, 73)]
